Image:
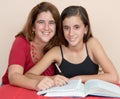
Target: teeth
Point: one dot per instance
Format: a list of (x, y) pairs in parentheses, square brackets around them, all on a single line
[(45, 33), (72, 39)]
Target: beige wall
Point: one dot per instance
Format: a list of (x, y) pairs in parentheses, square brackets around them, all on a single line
[(104, 17)]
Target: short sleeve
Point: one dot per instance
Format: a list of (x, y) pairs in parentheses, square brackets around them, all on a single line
[(19, 51)]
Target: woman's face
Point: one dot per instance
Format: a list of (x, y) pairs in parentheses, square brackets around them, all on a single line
[(44, 27), (74, 30)]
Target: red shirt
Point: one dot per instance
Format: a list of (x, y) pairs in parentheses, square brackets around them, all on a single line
[(20, 54)]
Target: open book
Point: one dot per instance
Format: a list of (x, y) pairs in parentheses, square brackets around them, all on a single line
[(76, 88)]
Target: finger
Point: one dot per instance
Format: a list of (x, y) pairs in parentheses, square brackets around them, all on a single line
[(44, 86), (57, 77), (45, 83), (61, 80)]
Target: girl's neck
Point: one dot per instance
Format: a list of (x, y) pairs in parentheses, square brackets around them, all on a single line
[(77, 48)]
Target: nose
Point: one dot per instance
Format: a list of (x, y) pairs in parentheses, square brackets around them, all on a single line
[(71, 32), (46, 27)]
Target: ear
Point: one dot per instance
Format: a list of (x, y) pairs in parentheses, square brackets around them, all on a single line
[(33, 28), (86, 29)]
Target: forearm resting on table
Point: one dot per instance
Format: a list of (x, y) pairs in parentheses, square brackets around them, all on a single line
[(106, 76), (20, 80)]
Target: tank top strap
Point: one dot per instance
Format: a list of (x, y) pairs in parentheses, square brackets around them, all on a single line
[(61, 50), (86, 49)]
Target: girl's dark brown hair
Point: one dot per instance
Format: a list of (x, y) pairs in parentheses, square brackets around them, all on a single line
[(73, 11)]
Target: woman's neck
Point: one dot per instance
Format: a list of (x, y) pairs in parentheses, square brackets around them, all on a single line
[(39, 44)]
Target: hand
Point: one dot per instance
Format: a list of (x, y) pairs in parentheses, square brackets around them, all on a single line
[(45, 83), (60, 80)]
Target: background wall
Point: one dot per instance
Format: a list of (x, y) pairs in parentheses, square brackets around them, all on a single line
[(104, 17)]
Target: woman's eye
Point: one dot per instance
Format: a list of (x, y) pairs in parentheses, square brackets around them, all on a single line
[(40, 21), (52, 22)]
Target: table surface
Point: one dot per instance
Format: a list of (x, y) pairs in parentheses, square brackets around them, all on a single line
[(12, 92)]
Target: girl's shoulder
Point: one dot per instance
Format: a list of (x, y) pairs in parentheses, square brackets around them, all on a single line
[(94, 45), (54, 50), (93, 42)]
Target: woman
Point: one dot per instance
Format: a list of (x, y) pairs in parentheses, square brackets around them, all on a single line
[(80, 54), (36, 38)]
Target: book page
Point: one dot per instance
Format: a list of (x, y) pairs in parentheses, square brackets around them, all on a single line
[(101, 88), (72, 85), (74, 93), (77, 91)]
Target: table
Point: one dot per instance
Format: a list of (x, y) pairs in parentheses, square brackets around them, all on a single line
[(12, 92)]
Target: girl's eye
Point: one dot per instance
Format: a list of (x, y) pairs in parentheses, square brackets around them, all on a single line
[(76, 27), (65, 28)]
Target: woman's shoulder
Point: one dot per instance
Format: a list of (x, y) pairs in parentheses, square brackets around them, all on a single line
[(21, 40)]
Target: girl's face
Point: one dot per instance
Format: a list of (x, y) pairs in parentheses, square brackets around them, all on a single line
[(74, 30), (44, 27)]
